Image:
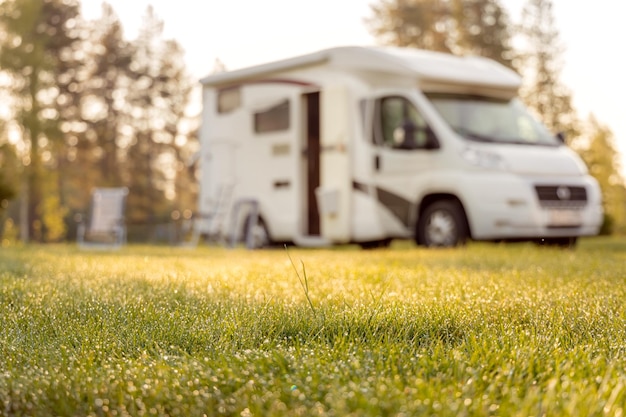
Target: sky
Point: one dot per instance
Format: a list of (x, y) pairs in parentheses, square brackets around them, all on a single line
[(242, 33)]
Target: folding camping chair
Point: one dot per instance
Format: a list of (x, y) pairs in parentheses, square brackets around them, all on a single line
[(105, 227)]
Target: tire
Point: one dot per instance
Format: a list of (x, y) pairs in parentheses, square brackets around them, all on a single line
[(375, 244), (255, 234), (558, 242), (442, 224)]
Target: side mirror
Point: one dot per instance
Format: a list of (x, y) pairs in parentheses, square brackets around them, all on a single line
[(404, 136), (399, 136), (561, 137), (409, 136)]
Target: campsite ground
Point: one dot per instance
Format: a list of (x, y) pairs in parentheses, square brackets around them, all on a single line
[(481, 330)]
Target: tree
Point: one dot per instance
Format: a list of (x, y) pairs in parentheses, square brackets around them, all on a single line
[(539, 62), (92, 109), (92, 155), (421, 24), (483, 29), (9, 166), (9, 171), (601, 158), (478, 27), (157, 102), (106, 89), (8, 182), (38, 38)]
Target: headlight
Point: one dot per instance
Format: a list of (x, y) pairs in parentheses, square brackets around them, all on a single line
[(484, 159)]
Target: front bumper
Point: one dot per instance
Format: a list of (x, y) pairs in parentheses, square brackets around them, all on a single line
[(507, 206)]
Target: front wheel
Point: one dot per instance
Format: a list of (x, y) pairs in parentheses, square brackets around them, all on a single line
[(442, 224), (558, 242)]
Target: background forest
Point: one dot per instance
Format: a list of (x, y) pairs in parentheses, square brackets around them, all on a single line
[(82, 106)]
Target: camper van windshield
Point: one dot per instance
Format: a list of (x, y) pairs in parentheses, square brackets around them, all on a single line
[(485, 119)]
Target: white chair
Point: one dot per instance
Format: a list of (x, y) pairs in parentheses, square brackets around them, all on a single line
[(105, 228)]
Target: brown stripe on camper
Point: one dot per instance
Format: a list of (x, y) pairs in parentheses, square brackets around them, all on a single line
[(399, 206)]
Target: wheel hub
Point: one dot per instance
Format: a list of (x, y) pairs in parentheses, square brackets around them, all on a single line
[(441, 230)]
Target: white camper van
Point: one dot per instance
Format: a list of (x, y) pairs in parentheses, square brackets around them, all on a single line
[(367, 144)]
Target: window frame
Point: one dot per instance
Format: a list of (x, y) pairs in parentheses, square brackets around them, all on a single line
[(426, 142), (273, 119), (228, 99)]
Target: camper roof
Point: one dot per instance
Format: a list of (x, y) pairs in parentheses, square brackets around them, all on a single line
[(427, 66)]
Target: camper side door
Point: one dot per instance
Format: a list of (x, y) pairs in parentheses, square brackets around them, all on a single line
[(403, 143)]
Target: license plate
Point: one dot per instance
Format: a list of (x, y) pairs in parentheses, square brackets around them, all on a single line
[(564, 218)]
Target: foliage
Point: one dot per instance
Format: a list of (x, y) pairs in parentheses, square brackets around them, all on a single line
[(51, 216), (481, 330), (419, 24), (158, 102), (8, 182), (483, 29), (601, 157), (92, 155), (457, 26), (38, 38), (94, 110), (7, 192), (539, 61)]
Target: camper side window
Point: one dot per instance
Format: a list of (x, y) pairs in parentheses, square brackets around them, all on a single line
[(274, 119), (228, 99), (399, 125)]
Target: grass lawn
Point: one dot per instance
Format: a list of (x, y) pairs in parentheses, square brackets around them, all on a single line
[(502, 330)]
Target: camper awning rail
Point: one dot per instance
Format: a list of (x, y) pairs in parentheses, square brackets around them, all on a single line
[(265, 69)]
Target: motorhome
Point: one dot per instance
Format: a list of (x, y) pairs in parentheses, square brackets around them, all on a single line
[(368, 144)]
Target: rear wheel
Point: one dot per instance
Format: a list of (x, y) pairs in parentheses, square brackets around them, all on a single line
[(442, 224), (375, 244), (255, 234)]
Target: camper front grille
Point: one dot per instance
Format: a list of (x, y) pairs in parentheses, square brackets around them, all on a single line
[(565, 196)]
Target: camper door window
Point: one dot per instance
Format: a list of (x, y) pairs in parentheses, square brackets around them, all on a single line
[(399, 125)]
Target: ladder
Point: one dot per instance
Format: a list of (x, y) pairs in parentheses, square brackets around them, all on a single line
[(211, 222), (220, 210), (250, 221)]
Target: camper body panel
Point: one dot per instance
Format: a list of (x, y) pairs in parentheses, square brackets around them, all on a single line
[(331, 173), (505, 206), (264, 162), (274, 167)]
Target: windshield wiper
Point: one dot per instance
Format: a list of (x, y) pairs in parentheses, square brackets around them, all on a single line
[(474, 136), (491, 139)]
